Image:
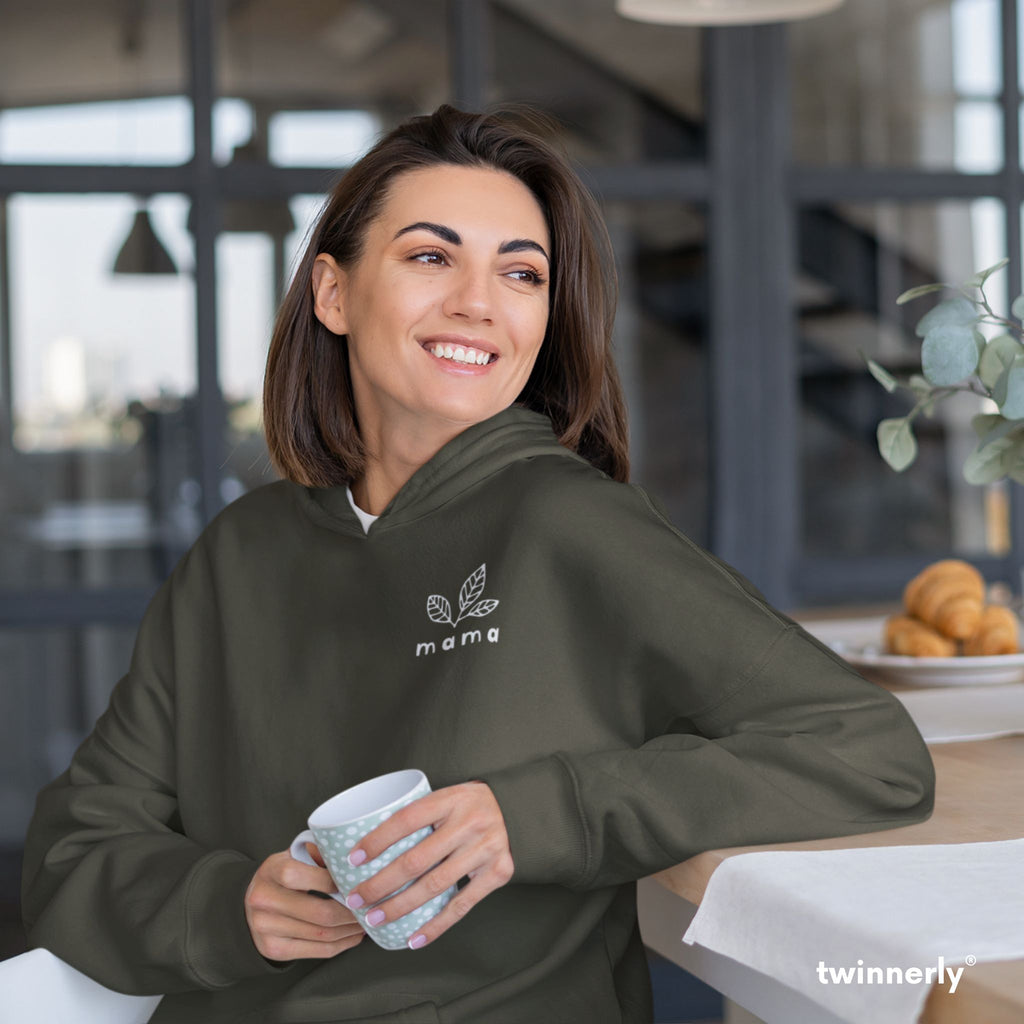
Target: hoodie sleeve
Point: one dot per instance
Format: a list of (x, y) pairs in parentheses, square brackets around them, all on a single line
[(111, 884), (765, 735)]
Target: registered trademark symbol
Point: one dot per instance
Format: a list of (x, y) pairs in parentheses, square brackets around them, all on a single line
[(970, 960)]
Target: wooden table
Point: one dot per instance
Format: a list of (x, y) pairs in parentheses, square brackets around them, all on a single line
[(979, 797)]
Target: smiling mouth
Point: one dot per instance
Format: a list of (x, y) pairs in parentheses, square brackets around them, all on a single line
[(461, 353)]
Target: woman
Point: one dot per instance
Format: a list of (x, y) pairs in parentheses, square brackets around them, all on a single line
[(453, 576)]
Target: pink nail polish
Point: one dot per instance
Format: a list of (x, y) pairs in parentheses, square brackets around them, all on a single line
[(374, 917), (356, 857), (354, 902), (417, 941)]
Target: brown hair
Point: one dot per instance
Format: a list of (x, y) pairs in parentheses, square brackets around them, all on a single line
[(308, 410)]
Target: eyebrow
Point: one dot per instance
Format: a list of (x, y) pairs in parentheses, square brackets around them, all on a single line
[(453, 238)]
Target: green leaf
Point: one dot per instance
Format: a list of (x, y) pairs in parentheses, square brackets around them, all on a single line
[(949, 354), (983, 275), (998, 432), (998, 354), (1017, 309), (985, 464), (1012, 406), (984, 423), (958, 312), (882, 375), (916, 293), (896, 443)]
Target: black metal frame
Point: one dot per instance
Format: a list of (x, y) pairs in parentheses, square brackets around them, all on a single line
[(752, 193)]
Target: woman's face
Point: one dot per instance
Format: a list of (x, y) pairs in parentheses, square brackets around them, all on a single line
[(447, 306)]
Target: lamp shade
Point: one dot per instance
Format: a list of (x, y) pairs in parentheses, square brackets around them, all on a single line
[(722, 12), (143, 252)]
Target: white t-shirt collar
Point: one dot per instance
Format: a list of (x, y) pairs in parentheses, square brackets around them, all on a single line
[(365, 519)]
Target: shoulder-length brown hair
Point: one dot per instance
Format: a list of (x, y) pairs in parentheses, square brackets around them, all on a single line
[(308, 411)]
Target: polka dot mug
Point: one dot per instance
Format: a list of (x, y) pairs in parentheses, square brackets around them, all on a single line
[(338, 824)]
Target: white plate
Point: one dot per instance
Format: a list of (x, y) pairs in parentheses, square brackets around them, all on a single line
[(861, 642)]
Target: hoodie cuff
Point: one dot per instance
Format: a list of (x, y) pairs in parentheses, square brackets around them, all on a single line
[(219, 947), (546, 830)]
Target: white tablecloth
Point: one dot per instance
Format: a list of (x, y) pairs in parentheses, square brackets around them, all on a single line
[(867, 932)]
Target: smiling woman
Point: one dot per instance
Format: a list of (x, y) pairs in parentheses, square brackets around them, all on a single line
[(451, 202)]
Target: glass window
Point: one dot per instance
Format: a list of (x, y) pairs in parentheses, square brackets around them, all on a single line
[(94, 84), (854, 261), (318, 138), (56, 684), (625, 90), (99, 470), (898, 85), (157, 131), (659, 337)]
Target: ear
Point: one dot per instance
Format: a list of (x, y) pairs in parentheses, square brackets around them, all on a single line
[(328, 285)]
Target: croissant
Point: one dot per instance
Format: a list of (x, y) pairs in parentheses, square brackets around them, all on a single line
[(948, 596), (906, 635), (996, 633)]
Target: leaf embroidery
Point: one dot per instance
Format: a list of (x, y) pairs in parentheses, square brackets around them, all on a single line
[(439, 609), (470, 604), (472, 588)]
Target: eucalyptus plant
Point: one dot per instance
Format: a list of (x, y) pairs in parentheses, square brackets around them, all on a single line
[(956, 357)]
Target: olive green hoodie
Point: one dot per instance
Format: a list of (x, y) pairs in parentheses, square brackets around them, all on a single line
[(513, 616)]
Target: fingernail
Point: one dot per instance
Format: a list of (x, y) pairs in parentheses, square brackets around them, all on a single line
[(375, 917), (417, 940), (355, 901), (356, 857)]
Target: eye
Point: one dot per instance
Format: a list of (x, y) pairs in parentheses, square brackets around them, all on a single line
[(527, 276), (432, 257)]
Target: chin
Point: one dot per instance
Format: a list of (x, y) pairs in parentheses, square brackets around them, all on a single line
[(469, 415), (468, 412)]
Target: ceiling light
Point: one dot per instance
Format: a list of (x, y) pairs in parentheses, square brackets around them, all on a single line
[(142, 251), (722, 12)]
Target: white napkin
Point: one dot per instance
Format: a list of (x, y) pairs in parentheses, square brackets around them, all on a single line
[(966, 713), (818, 920)]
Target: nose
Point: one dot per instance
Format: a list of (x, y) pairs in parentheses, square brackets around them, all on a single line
[(469, 295)]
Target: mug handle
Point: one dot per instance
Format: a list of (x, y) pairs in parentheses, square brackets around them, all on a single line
[(300, 853), (298, 848)]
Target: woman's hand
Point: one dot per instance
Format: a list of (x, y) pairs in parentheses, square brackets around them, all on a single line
[(469, 838), (287, 921)]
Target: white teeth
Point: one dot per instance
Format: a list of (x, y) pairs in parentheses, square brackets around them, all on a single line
[(459, 354)]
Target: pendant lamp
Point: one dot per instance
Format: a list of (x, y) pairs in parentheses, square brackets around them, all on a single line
[(722, 12), (142, 251)]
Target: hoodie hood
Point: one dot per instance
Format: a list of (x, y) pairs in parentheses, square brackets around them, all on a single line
[(480, 451)]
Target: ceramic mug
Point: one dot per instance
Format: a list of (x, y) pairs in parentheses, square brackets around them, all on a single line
[(338, 824)]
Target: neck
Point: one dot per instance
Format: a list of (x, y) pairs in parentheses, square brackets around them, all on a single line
[(393, 455)]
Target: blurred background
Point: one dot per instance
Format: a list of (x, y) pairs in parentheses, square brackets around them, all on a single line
[(770, 190)]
